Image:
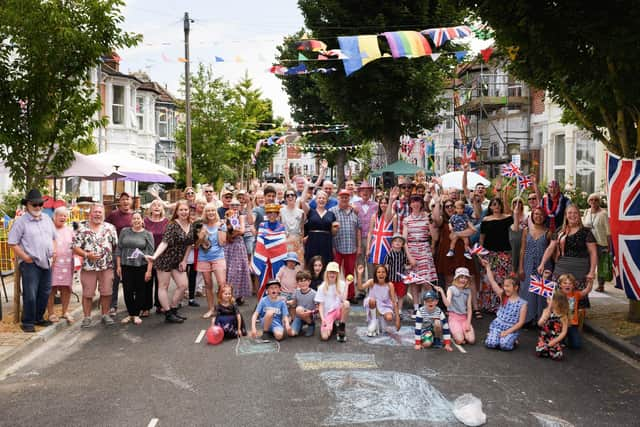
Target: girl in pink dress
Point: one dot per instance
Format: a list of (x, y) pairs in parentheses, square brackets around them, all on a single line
[(62, 271)]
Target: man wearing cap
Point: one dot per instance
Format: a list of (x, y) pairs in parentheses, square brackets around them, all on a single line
[(365, 209), (120, 218), (32, 239), (271, 247), (347, 242)]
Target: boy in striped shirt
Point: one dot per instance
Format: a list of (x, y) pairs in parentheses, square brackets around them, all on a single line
[(432, 326)]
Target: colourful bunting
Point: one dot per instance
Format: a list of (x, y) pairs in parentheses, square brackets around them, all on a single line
[(486, 53), (512, 51), (183, 60), (435, 56), (360, 51), (440, 36), (410, 44), (311, 45), (219, 59), (301, 57)]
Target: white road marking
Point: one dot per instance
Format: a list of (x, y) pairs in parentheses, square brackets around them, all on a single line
[(460, 348), (200, 336), (153, 422)]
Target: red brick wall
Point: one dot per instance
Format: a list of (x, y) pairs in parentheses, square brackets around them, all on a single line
[(293, 152), (537, 101)]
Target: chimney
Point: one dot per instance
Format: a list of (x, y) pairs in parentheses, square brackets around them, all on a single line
[(112, 61)]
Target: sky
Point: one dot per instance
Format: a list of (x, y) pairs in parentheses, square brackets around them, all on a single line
[(246, 30)]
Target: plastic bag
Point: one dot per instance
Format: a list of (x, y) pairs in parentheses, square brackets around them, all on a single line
[(468, 410), (605, 268)]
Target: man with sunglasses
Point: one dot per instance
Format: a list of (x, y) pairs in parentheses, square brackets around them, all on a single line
[(226, 195), (210, 195), (32, 239)]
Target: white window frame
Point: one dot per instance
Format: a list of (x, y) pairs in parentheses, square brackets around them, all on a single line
[(162, 123), (559, 167), (584, 166), (117, 109), (140, 112)]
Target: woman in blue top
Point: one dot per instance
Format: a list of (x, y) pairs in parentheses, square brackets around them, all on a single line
[(211, 236)]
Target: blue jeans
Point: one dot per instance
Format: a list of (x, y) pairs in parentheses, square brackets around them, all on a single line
[(298, 323), (574, 340), (36, 287)]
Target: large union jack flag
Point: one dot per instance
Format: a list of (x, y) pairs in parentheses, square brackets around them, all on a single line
[(381, 244), (270, 252), (624, 219), (442, 35)]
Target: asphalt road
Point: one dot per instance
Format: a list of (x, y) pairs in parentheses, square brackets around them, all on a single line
[(155, 374)]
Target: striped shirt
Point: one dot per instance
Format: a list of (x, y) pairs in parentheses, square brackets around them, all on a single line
[(396, 262), (425, 321)]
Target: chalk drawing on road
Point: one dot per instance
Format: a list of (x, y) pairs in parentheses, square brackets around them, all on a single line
[(357, 311), (550, 421), (403, 337), (316, 361), (372, 396), (172, 378), (256, 345)]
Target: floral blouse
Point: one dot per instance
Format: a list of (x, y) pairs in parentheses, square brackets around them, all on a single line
[(177, 244), (103, 243)]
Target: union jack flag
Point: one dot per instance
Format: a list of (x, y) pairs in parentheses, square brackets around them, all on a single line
[(442, 35), (624, 219), (381, 244), (478, 250), (411, 278), (270, 252), (540, 286), (524, 181), (510, 170)]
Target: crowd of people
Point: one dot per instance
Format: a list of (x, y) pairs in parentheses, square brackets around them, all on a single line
[(310, 252)]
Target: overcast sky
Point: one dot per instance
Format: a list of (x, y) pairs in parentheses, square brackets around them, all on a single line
[(246, 30)]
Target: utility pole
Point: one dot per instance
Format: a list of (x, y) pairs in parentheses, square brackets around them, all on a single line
[(187, 106)]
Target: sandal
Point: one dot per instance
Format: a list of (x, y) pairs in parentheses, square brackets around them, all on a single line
[(145, 313), (477, 314), (137, 320), (125, 320), (69, 318), (209, 314), (53, 318)]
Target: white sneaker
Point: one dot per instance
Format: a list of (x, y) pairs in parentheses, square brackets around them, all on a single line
[(107, 320), (86, 322), (372, 328)]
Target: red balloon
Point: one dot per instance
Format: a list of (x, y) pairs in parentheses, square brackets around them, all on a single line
[(215, 335)]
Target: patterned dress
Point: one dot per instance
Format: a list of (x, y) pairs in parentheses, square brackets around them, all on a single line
[(62, 272), (497, 243), (418, 245), (177, 241), (532, 256), (235, 254), (508, 315), (227, 319), (551, 330)]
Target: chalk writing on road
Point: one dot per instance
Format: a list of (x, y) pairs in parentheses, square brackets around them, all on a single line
[(403, 337), (373, 396), (315, 361)]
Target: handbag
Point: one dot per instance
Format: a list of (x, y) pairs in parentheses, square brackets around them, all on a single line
[(605, 267)]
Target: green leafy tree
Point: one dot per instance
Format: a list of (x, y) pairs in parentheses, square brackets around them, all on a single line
[(388, 97), (587, 57), (226, 122), (307, 106), (48, 107)]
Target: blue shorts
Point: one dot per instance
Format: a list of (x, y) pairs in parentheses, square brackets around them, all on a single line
[(276, 325)]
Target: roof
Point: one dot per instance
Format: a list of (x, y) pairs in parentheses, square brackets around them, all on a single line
[(399, 168)]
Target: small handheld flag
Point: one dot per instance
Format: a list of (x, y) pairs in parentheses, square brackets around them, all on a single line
[(137, 253), (540, 286), (510, 170), (478, 250)]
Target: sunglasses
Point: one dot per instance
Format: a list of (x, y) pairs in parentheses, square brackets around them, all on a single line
[(448, 206), (289, 195), (190, 193), (404, 187), (36, 205), (227, 196)]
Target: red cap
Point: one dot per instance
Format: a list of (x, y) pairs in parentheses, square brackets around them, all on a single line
[(344, 192)]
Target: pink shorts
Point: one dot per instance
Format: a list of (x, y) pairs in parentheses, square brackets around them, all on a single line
[(103, 280), (207, 266), (330, 318), (458, 324)]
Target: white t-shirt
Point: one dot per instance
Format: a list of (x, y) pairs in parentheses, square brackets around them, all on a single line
[(329, 297)]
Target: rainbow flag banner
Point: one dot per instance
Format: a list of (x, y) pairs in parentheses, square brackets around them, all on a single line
[(360, 50), (410, 44)]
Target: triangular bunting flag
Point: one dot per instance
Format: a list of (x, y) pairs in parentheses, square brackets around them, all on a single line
[(435, 56), (460, 55), (219, 59), (301, 57), (486, 53), (183, 60)]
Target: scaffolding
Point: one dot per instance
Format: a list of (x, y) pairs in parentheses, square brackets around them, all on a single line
[(487, 103)]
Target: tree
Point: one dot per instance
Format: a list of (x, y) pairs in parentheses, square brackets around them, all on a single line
[(307, 106), (586, 57), (226, 122), (386, 98), (48, 107)]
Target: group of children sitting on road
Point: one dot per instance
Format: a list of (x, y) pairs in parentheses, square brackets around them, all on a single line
[(443, 317)]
